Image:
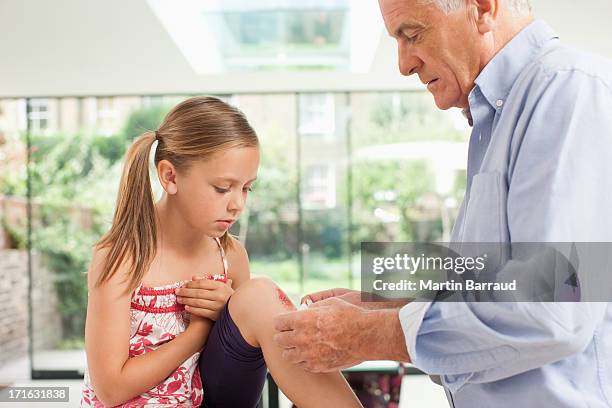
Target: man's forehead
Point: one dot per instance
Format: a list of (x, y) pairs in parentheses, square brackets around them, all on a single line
[(409, 13)]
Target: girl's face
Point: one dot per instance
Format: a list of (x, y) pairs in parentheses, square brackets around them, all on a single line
[(211, 194)]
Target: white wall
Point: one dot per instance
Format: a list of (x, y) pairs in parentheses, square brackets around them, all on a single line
[(115, 47)]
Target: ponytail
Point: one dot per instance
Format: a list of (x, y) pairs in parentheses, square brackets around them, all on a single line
[(133, 235)]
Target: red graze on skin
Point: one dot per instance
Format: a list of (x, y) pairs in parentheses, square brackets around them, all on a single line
[(284, 299)]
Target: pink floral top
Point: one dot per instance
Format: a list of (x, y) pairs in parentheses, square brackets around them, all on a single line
[(156, 318)]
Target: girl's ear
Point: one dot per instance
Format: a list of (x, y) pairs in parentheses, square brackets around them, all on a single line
[(167, 176)]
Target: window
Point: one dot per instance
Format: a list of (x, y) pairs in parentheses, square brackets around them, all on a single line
[(287, 28), (107, 116), (152, 101), (319, 190), (280, 35), (317, 114), (39, 116)]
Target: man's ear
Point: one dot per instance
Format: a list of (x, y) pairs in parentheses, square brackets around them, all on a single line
[(167, 176), (484, 13)]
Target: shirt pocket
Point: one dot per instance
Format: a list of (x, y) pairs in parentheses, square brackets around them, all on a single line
[(483, 214)]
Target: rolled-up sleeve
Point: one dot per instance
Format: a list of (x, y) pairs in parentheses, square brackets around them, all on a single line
[(559, 182)]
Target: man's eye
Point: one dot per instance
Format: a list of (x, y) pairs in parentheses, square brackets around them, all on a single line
[(412, 38), (221, 190)]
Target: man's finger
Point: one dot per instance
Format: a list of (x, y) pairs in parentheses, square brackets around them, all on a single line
[(310, 366), (325, 294), (292, 355), (285, 321), (285, 339), (328, 302), (316, 296)]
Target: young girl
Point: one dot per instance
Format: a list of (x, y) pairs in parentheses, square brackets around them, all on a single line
[(143, 345)]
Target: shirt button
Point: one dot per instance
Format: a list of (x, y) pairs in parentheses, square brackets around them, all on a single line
[(499, 103)]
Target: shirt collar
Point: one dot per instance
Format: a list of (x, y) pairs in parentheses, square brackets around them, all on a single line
[(498, 76)]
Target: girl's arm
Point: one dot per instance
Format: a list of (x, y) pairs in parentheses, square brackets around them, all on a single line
[(238, 261), (115, 377)]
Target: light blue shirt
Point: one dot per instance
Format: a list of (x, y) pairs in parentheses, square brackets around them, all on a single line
[(539, 170)]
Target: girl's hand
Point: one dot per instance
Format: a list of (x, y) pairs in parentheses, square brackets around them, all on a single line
[(205, 297)]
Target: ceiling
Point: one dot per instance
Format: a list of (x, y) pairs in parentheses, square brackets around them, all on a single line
[(119, 47)]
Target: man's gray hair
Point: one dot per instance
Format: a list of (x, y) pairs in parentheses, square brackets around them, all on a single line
[(516, 7)]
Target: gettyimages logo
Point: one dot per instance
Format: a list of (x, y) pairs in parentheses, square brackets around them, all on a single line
[(413, 264)]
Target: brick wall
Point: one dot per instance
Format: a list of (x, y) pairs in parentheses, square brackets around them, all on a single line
[(14, 307)]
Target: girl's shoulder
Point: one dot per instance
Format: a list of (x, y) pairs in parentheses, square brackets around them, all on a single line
[(119, 281), (238, 263)]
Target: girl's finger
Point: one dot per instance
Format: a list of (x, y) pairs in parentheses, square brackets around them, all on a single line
[(203, 284), (195, 293), (200, 303)]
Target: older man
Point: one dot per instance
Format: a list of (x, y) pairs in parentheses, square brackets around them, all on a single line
[(537, 172)]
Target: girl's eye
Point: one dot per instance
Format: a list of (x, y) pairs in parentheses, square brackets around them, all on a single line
[(247, 189), (221, 190)]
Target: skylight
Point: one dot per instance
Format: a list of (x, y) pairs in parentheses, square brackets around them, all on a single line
[(256, 35)]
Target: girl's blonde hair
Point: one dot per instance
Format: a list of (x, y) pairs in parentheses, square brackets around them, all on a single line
[(194, 130)]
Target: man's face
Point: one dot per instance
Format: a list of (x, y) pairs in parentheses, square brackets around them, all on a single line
[(444, 50)]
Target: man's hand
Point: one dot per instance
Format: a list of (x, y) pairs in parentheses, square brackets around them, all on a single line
[(203, 297), (355, 297), (331, 335)]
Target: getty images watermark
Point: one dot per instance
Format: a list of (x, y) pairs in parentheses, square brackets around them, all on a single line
[(491, 272), (412, 264)]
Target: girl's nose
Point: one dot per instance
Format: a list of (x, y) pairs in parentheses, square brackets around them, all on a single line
[(236, 203)]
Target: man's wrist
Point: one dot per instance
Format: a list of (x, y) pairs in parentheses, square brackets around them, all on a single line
[(383, 336)]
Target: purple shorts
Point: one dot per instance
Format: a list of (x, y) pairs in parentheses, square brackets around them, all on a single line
[(233, 372)]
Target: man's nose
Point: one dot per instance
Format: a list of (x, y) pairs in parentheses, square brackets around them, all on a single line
[(409, 63)]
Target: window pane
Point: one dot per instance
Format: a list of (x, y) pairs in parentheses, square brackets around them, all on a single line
[(324, 161), (408, 166), (270, 222)]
